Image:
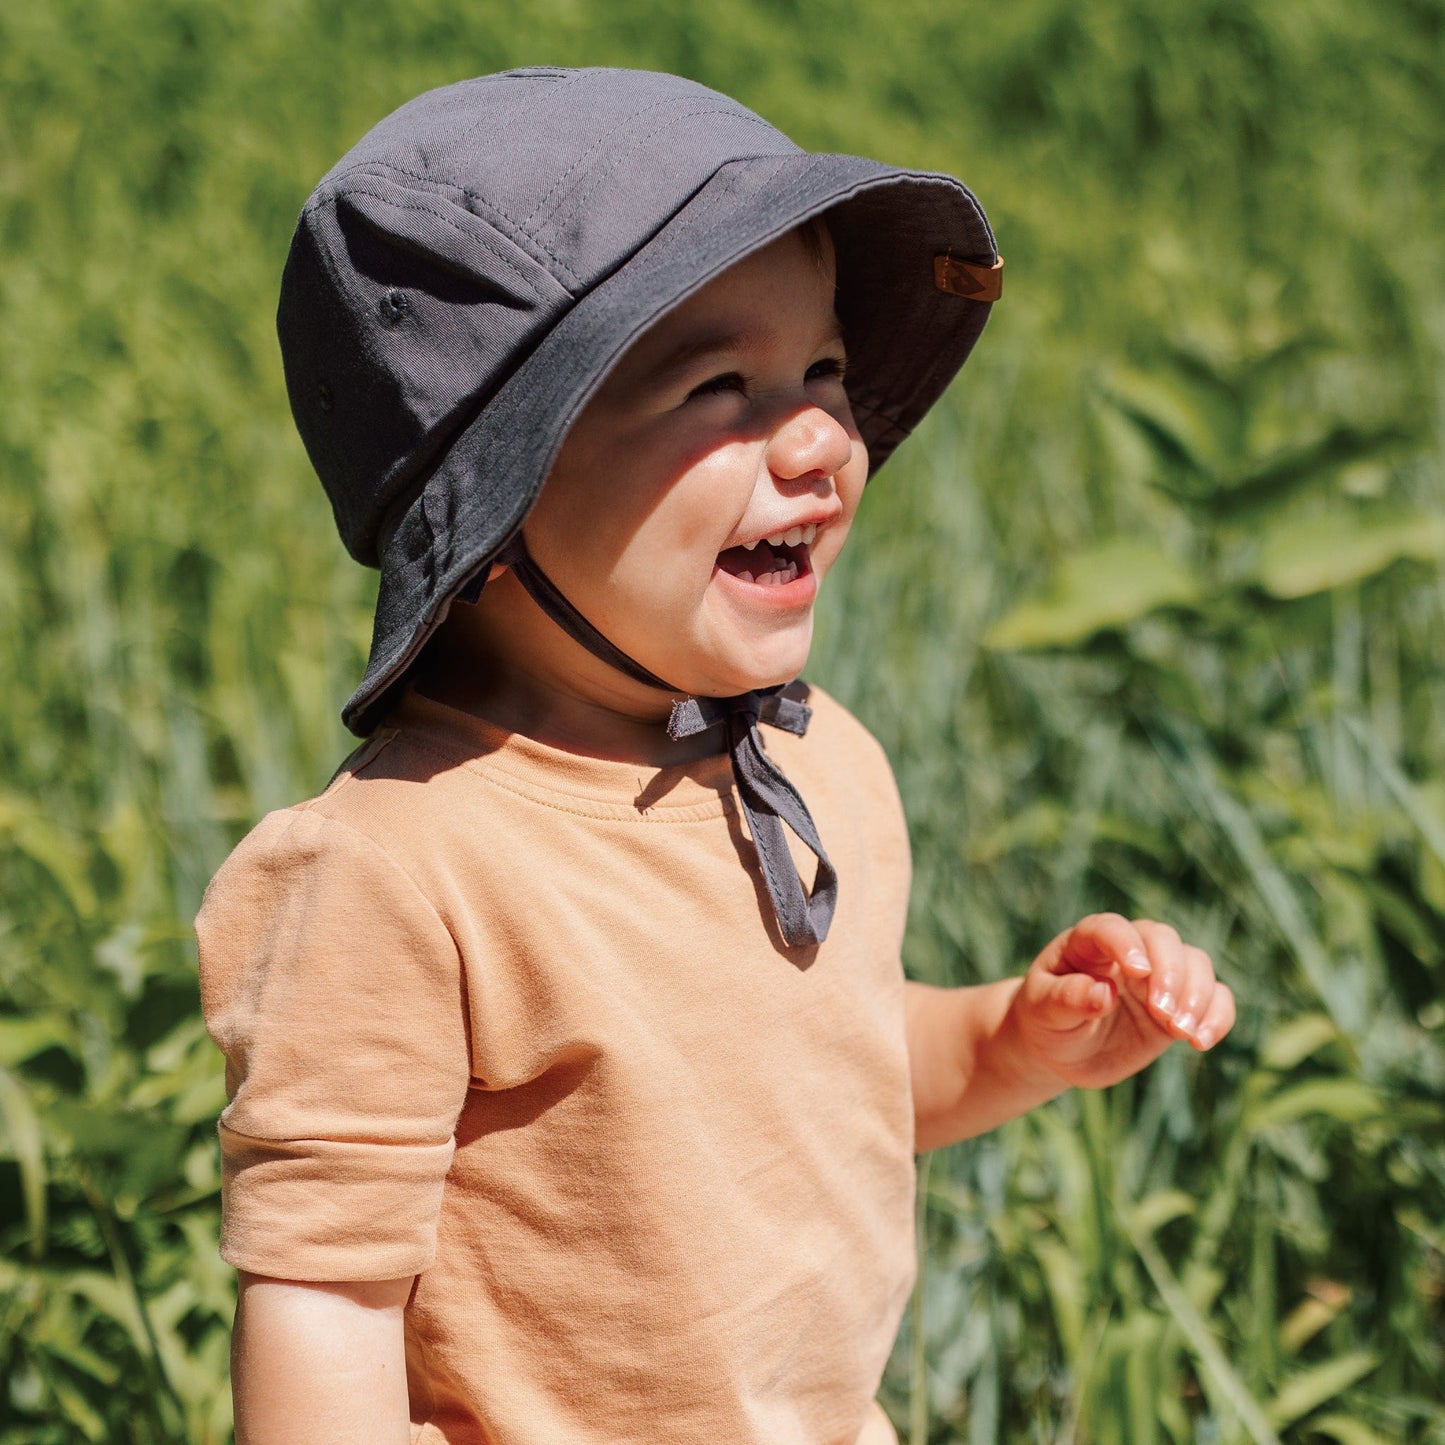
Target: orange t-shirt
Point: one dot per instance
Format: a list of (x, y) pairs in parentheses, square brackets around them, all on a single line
[(519, 1022)]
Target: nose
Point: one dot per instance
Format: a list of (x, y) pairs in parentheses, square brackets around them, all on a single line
[(811, 444)]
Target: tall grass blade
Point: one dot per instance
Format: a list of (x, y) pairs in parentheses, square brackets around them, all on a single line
[(1313, 1387), (1194, 767), (1217, 1371), (1346, 1430), (27, 1147), (1404, 792)]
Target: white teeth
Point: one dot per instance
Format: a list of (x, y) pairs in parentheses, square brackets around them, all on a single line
[(780, 578), (791, 538), (776, 577)]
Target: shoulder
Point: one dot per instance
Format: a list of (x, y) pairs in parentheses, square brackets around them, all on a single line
[(309, 905), (837, 756), (357, 837), (836, 731)]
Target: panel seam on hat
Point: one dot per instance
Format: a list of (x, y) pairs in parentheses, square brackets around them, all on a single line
[(445, 187), (606, 136), (590, 152), (586, 195), (441, 216)]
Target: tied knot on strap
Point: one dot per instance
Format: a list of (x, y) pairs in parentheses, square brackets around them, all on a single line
[(783, 707), (769, 800)]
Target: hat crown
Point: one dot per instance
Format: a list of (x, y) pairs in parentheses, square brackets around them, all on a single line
[(578, 166), (434, 256)]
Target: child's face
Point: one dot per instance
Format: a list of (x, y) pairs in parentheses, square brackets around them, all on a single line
[(723, 425)]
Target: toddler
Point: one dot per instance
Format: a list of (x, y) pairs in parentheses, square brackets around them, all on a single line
[(574, 1081)]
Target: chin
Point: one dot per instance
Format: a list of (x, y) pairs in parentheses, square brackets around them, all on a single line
[(738, 662), (756, 673)]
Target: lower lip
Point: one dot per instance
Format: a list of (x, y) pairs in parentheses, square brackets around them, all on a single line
[(784, 596)]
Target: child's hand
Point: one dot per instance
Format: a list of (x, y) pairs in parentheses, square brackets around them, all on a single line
[(1109, 996)]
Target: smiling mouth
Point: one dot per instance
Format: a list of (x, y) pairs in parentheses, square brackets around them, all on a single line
[(765, 563)]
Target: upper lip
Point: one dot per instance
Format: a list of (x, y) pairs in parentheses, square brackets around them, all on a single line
[(779, 536)]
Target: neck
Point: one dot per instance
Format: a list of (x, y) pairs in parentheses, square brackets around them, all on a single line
[(527, 677)]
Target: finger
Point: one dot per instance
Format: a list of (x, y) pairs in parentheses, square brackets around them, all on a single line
[(1067, 1000), (1218, 1018), (1099, 943), (1196, 990), (1167, 971)]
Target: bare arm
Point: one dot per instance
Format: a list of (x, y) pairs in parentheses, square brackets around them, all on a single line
[(1102, 1001), (320, 1364), (969, 1076)]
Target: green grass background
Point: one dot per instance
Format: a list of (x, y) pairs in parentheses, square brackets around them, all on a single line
[(1149, 616)]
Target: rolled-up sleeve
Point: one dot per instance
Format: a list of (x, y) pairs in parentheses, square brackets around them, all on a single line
[(335, 992)]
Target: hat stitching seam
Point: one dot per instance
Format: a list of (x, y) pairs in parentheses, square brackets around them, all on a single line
[(591, 151), (443, 187), (587, 195), (601, 140), (978, 216), (444, 219)]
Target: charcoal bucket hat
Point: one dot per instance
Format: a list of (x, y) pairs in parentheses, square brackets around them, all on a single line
[(465, 276)]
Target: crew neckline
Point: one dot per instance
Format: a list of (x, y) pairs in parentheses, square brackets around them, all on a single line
[(701, 786)]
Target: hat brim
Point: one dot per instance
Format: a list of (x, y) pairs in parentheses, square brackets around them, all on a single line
[(906, 340)]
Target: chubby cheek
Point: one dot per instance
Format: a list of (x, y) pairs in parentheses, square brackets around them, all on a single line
[(830, 544), (687, 523), (826, 549)]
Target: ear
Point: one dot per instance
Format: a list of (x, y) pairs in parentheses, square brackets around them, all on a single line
[(473, 590)]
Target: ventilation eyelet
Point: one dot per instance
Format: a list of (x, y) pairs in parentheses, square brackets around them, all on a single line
[(393, 306)]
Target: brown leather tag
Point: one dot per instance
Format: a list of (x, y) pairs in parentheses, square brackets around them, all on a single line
[(964, 278)]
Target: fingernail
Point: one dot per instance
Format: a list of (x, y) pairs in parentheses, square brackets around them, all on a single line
[(1185, 1023), (1205, 1036), (1165, 1003), (1137, 961)]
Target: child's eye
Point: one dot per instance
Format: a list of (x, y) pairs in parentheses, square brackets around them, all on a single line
[(715, 385), (829, 368)]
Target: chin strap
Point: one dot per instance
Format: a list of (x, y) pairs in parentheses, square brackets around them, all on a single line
[(769, 800)]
